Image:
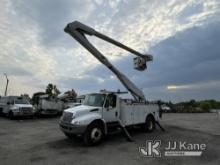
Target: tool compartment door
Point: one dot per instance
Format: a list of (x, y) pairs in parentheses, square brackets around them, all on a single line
[(138, 114), (126, 114)]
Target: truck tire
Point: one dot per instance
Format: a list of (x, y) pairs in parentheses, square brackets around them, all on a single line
[(1, 113), (11, 115), (149, 125), (93, 134)]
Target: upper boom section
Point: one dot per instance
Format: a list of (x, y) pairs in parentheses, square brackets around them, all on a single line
[(77, 31)]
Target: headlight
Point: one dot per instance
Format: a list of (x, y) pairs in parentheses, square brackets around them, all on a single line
[(15, 109), (76, 122), (34, 109), (73, 115), (67, 117)]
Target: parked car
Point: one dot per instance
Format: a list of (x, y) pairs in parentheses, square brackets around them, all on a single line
[(14, 106)]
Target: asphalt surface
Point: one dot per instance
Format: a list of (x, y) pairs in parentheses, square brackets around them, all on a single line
[(39, 141)]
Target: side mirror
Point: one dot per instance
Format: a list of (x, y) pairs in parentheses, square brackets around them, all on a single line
[(8, 103), (110, 107)]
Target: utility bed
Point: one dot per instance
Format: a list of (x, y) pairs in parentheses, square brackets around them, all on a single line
[(135, 113)]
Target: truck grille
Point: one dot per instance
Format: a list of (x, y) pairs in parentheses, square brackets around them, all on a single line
[(26, 110), (67, 117)]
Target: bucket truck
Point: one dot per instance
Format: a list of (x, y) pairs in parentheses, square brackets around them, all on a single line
[(102, 112)]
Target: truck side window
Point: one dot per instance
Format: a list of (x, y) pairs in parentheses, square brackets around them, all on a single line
[(112, 100), (10, 101), (3, 100)]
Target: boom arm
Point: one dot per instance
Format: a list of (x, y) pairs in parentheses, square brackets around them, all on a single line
[(78, 30)]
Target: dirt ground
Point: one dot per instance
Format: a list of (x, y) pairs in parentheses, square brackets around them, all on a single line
[(40, 141)]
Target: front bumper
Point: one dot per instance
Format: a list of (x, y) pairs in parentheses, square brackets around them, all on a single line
[(71, 128), (48, 112), (23, 113)]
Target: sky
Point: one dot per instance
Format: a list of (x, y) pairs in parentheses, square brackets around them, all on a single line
[(182, 36)]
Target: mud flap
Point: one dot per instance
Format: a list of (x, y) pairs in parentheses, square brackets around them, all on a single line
[(126, 133)]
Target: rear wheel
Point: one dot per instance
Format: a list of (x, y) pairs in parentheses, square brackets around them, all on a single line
[(149, 125), (94, 134), (1, 113)]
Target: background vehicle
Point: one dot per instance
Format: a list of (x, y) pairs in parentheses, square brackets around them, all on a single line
[(166, 109), (13, 106), (70, 99), (49, 105), (79, 100), (103, 111)]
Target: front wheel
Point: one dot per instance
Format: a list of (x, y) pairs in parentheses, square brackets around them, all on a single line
[(149, 125), (11, 115), (94, 134)]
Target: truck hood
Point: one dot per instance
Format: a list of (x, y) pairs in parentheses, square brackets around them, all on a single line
[(81, 109)]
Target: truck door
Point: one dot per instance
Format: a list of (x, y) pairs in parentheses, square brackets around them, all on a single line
[(1, 104), (6, 105), (110, 109)]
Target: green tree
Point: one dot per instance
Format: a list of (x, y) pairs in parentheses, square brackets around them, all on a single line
[(192, 103), (49, 89), (52, 90), (205, 105), (214, 104), (56, 91)]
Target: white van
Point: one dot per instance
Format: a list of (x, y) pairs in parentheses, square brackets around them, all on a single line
[(13, 106)]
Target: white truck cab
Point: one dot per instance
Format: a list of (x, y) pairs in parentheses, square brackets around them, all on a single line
[(100, 112), (13, 106)]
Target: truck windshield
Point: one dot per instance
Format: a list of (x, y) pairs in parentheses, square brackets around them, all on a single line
[(96, 100), (21, 101)]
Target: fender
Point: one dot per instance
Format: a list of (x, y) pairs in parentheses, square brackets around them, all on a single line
[(88, 119)]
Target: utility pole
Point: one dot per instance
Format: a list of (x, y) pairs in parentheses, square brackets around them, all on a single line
[(6, 88)]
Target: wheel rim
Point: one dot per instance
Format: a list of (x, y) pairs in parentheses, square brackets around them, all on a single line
[(150, 125), (96, 134)]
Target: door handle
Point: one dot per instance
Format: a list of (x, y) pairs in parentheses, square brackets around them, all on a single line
[(116, 113)]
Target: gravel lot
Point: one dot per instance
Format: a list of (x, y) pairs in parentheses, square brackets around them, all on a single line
[(39, 141)]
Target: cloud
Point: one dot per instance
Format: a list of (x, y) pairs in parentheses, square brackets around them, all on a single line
[(201, 85), (88, 83), (190, 56), (35, 51), (15, 71), (186, 60), (50, 17)]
